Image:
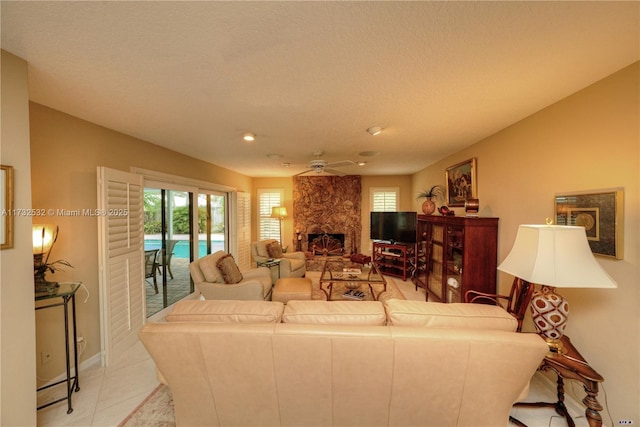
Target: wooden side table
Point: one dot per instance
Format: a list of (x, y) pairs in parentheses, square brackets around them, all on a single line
[(572, 366)]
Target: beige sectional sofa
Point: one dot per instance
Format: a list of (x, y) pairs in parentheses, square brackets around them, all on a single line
[(342, 363)]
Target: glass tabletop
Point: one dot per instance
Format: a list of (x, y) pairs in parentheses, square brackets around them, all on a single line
[(64, 289), (341, 270)]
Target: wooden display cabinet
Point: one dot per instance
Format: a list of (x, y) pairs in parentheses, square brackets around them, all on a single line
[(454, 255)]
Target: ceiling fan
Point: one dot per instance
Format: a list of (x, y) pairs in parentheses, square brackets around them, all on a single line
[(320, 166)]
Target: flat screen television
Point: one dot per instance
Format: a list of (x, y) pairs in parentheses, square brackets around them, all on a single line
[(394, 227)]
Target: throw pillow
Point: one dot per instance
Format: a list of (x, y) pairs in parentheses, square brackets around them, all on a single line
[(274, 250), (209, 267), (229, 269)]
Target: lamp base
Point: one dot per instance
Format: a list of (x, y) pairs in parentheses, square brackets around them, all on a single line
[(42, 285), (550, 312), (555, 346)]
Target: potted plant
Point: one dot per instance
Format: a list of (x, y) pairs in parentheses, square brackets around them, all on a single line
[(429, 205)]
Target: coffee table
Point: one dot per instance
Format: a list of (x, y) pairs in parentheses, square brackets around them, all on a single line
[(335, 271)]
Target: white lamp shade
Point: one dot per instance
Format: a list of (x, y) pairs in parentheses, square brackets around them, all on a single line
[(557, 256)]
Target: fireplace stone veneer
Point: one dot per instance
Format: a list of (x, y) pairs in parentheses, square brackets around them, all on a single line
[(328, 204)]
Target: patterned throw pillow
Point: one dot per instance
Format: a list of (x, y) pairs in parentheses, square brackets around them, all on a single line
[(229, 269), (274, 250)]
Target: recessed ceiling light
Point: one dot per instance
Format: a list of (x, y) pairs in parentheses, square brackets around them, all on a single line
[(376, 130), (274, 156), (362, 163), (249, 136)]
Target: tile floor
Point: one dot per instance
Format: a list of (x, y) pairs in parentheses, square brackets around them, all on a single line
[(107, 396)]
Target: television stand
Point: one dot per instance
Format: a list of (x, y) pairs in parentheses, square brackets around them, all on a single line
[(392, 259)]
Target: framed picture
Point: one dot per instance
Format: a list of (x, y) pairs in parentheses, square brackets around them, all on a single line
[(461, 183), (6, 207), (600, 213)]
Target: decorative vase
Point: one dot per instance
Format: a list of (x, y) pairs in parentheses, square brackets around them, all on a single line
[(428, 206)]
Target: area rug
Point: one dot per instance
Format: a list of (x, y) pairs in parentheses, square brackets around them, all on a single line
[(154, 411), (339, 289)]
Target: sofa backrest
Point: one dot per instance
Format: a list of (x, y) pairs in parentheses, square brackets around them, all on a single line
[(273, 374)]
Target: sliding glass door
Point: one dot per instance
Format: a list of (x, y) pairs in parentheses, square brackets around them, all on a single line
[(212, 223), (168, 219), (180, 224)]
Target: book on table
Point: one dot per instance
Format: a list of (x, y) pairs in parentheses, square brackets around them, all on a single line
[(354, 294)]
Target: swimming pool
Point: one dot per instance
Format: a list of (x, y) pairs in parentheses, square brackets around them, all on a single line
[(181, 249)]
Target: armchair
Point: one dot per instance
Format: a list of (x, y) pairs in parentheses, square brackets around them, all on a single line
[(208, 279), (292, 264)]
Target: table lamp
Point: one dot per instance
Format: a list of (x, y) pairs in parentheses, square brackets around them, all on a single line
[(279, 212), (554, 256), (44, 236)]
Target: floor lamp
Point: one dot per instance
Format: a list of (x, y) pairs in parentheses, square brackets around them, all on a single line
[(554, 256), (279, 212)]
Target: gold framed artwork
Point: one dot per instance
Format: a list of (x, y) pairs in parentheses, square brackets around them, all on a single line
[(601, 215), (6, 207), (461, 182)]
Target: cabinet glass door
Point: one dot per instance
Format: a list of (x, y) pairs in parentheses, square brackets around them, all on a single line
[(455, 252), (436, 266)]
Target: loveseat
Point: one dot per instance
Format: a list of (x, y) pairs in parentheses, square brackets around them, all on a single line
[(292, 264), (342, 363), (209, 280)]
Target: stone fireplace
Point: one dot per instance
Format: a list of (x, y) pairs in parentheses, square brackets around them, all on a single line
[(328, 205)]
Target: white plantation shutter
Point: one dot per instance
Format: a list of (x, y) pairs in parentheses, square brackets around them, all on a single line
[(121, 264), (384, 199), (243, 207), (268, 228)]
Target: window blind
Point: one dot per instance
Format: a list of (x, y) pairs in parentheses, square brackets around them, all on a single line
[(268, 228), (384, 200)]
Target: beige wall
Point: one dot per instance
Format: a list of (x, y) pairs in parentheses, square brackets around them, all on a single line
[(65, 152), (17, 325), (588, 141)]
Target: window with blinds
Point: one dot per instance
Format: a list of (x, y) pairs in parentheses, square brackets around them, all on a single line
[(268, 228), (384, 199)]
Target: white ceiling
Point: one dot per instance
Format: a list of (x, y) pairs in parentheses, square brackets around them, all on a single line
[(307, 76)]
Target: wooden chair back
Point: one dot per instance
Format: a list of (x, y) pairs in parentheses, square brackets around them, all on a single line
[(515, 303)]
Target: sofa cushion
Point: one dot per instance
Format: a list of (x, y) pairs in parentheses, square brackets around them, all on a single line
[(229, 269), (226, 311), (335, 312), (274, 250), (209, 267), (456, 315)]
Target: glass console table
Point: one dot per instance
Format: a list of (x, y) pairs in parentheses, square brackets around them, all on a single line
[(66, 292)]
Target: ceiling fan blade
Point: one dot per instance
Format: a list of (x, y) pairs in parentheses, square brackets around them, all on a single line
[(304, 172), (341, 163), (334, 172)]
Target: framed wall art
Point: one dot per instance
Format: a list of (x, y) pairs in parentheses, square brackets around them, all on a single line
[(461, 182), (6, 207), (601, 215)]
